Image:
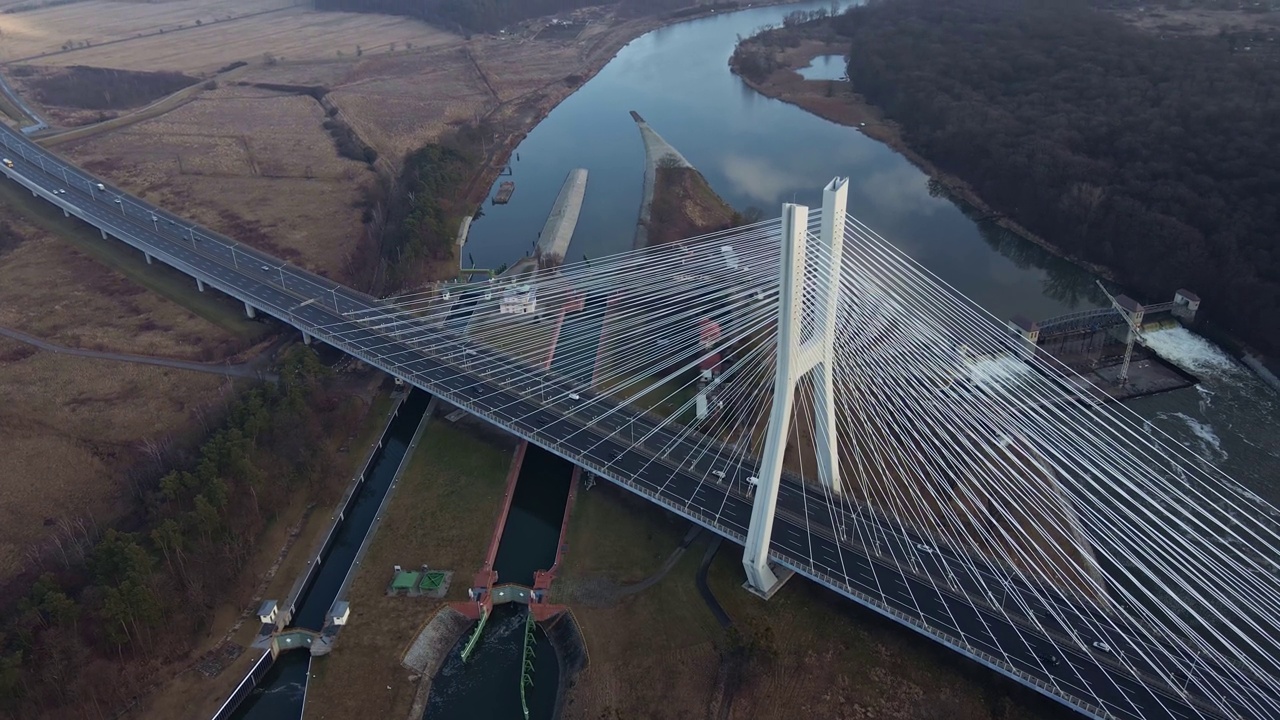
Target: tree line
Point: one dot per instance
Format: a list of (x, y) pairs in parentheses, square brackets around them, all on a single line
[(1156, 157), (106, 606), (463, 16)]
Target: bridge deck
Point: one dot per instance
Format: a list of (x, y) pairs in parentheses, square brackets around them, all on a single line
[(861, 555)]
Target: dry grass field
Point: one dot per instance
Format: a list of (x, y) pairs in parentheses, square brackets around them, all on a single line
[(154, 36), (398, 103), (253, 164), (69, 426), (61, 295)]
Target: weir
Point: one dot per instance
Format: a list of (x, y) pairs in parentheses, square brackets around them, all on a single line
[(1093, 344)]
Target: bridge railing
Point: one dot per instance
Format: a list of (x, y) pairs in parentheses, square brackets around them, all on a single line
[(122, 232), (246, 686)]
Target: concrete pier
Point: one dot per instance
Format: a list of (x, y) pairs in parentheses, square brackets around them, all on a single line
[(249, 311), (148, 257), (553, 243), (199, 284), (656, 150)]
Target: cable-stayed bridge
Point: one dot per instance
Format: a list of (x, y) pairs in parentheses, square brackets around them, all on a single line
[(805, 389)]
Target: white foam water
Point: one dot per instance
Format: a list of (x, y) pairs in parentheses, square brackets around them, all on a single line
[(1195, 354), (1210, 443)]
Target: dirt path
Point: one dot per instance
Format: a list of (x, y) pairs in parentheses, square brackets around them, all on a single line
[(246, 370), (601, 592)]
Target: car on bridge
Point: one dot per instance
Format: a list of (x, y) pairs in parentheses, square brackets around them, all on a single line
[(8, 163)]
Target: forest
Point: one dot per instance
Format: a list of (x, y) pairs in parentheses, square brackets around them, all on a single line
[(461, 15), (87, 628), (426, 206), (1158, 157)]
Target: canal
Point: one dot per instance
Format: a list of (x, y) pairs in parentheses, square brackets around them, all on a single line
[(281, 693), (756, 151), (532, 533)]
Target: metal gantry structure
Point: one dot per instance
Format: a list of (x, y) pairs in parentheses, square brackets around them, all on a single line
[(805, 389)]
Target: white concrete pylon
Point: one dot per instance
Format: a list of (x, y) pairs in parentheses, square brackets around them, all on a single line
[(797, 356)]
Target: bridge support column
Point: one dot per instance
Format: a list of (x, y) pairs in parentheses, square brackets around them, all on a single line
[(306, 338), (148, 257), (65, 213), (199, 284), (799, 356), (249, 311), (104, 233)]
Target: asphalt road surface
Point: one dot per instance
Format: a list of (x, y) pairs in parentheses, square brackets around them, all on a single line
[(871, 559)]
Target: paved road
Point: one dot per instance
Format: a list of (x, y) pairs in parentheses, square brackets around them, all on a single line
[(246, 370), (876, 562)]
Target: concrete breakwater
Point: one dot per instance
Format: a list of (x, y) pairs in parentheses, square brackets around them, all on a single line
[(553, 241), (656, 150)]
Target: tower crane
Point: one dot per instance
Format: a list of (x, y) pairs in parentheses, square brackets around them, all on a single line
[(1134, 333)]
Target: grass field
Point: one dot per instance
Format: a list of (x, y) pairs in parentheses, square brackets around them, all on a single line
[(253, 164), (658, 653), (154, 36), (442, 514), (69, 426)]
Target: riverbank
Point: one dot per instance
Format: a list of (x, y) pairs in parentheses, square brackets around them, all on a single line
[(530, 106), (839, 102), (788, 50)]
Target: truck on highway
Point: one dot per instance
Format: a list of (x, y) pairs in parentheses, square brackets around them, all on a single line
[(8, 163)]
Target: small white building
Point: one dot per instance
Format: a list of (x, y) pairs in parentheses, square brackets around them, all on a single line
[(518, 300), (268, 612), (339, 613)]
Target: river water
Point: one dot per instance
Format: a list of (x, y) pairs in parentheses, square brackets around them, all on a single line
[(760, 152)]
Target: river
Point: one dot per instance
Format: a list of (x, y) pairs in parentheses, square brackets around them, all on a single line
[(756, 151)]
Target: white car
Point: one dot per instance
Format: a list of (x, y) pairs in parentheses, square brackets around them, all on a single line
[(1099, 645), (575, 397), (718, 473), (922, 547)]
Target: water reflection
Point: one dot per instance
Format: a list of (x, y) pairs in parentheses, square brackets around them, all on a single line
[(900, 190), (759, 151)]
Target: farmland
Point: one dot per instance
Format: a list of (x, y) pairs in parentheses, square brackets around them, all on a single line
[(166, 36), (253, 164)]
